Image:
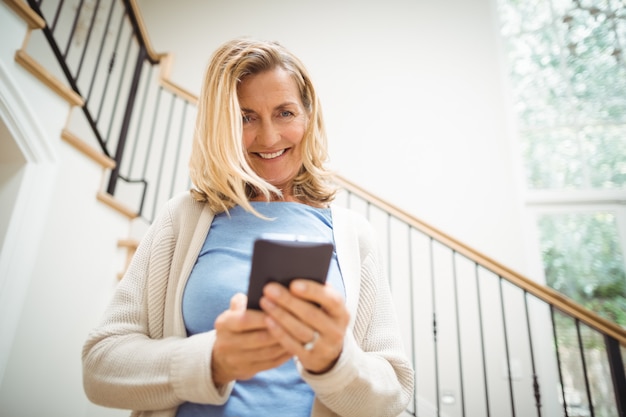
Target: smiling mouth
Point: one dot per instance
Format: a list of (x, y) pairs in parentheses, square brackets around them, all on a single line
[(271, 155)]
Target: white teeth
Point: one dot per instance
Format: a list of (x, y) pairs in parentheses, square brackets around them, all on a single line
[(271, 155)]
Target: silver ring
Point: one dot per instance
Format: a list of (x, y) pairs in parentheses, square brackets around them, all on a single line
[(309, 345)]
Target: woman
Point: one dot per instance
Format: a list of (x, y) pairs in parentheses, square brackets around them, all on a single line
[(177, 339)]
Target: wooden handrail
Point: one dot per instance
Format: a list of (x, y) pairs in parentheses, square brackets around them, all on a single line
[(92, 153), (32, 19), (540, 291), (110, 201), (165, 67), (154, 56), (41, 73)]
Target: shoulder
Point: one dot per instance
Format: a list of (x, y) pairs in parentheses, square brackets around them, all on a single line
[(345, 215), (180, 208), (356, 226), (183, 202), (178, 216)]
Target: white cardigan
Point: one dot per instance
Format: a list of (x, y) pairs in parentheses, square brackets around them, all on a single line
[(139, 357)]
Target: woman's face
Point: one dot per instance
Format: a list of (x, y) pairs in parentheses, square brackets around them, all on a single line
[(274, 122)]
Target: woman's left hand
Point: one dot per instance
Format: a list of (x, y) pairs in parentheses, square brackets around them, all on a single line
[(314, 334)]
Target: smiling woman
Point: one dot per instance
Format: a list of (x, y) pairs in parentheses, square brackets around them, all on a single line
[(269, 100), (178, 337), (274, 125)]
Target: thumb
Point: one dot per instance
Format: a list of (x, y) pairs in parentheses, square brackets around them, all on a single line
[(238, 302)]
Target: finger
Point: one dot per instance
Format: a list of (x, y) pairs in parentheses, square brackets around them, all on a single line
[(323, 295), (294, 333), (291, 343), (299, 303), (251, 346), (239, 320), (243, 341), (319, 358), (293, 321), (238, 302), (240, 368), (292, 325), (230, 363), (291, 305)]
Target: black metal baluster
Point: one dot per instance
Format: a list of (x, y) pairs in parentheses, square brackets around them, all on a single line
[(482, 339), (109, 72), (506, 347), (616, 364), (166, 134), (434, 302), (537, 392), (388, 246), (150, 142), (121, 144), (56, 16), (412, 312), (558, 359), (458, 332), (140, 58), (581, 348), (100, 51), (142, 112), (87, 39), (73, 30), (178, 146)]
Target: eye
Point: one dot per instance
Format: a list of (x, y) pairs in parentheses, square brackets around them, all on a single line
[(246, 118), (286, 113)]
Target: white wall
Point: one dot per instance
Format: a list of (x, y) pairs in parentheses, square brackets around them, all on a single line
[(412, 94)]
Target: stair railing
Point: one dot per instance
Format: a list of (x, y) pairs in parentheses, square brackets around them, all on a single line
[(484, 340), (136, 117)]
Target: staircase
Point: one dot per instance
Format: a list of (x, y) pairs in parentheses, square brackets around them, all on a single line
[(484, 340)]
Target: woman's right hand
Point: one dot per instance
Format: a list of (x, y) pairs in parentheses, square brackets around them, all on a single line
[(243, 345)]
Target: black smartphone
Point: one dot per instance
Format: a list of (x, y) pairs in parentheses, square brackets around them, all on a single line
[(283, 258)]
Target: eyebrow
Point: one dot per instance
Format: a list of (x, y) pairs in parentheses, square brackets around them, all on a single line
[(280, 106)]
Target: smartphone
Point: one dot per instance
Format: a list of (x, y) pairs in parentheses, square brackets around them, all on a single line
[(283, 258)]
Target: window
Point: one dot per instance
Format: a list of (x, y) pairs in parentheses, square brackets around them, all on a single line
[(567, 66)]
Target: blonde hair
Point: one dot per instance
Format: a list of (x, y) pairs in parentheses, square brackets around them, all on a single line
[(219, 169)]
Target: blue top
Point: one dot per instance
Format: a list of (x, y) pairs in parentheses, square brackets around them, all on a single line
[(221, 270)]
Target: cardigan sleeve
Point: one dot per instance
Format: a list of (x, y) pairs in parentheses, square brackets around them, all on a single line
[(373, 375), (123, 365)]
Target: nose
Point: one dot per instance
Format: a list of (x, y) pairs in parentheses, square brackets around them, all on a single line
[(267, 134)]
